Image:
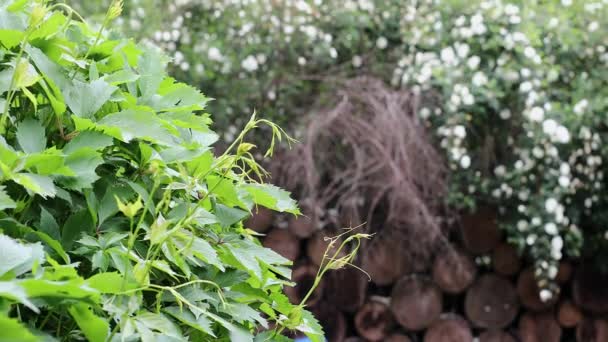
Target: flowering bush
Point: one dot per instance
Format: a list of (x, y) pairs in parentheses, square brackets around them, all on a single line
[(514, 91)]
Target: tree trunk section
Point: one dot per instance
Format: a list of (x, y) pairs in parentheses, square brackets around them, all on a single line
[(505, 260), (539, 327), (496, 336), (491, 302), (416, 302), (304, 277), (261, 219), (398, 338), (333, 321), (480, 231), (529, 292), (346, 288), (568, 314), (283, 242), (453, 271), (590, 290), (374, 321), (449, 328)]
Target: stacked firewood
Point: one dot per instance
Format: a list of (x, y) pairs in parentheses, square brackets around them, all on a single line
[(476, 288)]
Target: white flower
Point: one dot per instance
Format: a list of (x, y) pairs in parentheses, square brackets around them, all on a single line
[(545, 295), (250, 63), (462, 50), (549, 127), (536, 114), (557, 243), (333, 53), (562, 135), (465, 162), (505, 114), (357, 61), (473, 62), (551, 228), (460, 131), (525, 87), (551, 204), (511, 9), (581, 106), (566, 2), (553, 22), (500, 170), (301, 61), (564, 169), (214, 54), (381, 43), (522, 225), (479, 79), (529, 52), (593, 26), (448, 56), (468, 99), (563, 181)]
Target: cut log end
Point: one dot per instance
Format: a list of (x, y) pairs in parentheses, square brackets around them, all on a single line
[(590, 290), (491, 302), (416, 302), (449, 328), (373, 321), (592, 330), (398, 338), (283, 242), (346, 288), (480, 231), (384, 261), (539, 327), (568, 314), (317, 246), (302, 227), (496, 336), (529, 292), (333, 321), (261, 219), (505, 260), (454, 271)]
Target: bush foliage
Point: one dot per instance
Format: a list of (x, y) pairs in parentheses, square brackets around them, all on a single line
[(513, 90), (118, 222)]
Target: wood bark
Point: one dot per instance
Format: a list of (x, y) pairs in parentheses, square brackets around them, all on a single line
[(374, 321), (539, 327), (449, 328), (568, 314), (283, 242), (529, 292), (416, 302), (496, 336), (398, 338), (491, 302), (346, 288), (454, 271), (480, 231), (505, 260), (261, 219), (334, 322)]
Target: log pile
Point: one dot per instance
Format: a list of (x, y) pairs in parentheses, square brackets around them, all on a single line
[(451, 297)]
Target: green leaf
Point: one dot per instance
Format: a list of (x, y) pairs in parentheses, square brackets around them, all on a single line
[(10, 38), (41, 185), (201, 323), (12, 330), (5, 201), (69, 289), (18, 258), (198, 247), (228, 216), (48, 224), (250, 255), (31, 136), (85, 99), (95, 328), (151, 66), (91, 139), (110, 282), (121, 76), (83, 163), (272, 197), (11, 290), (78, 223), (311, 327)]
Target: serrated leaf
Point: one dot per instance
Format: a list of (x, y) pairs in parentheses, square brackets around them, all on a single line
[(184, 315), (31, 136), (78, 223), (272, 197), (198, 247), (83, 163), (18, 258), (311, 327), (151, 66), (93, 327), (228, 216), (92, 139), (85, 99), (110, 282), (41, 185), (11, 290), (250, 255), (5, 201), (48, 224)]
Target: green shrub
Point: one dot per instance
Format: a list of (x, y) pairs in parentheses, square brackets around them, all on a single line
[(117, 220)]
